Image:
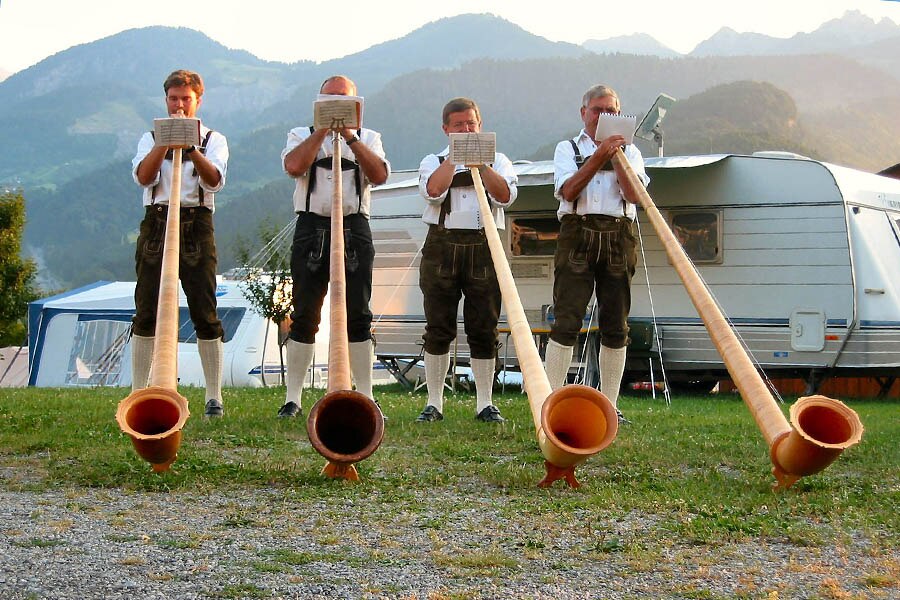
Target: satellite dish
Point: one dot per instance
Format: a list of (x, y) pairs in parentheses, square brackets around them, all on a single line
[(648, 129)]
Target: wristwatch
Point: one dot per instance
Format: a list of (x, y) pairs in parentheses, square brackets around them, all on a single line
[(190, 150), (353, 140)]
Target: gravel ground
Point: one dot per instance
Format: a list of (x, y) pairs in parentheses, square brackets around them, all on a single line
[(100, 543)]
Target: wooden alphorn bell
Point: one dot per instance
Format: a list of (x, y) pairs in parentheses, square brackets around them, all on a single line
[(154, 416), (344, 426), (572, 423), (822, 427)]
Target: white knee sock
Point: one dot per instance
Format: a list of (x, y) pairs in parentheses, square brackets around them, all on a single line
[(436, 366), (299, 357), (557, 359), (361, 359), (211, 358), (483, 370), (612, 365), (141, 360)]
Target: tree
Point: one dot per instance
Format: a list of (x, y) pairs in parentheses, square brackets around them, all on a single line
[(266, 281), (16, 275)]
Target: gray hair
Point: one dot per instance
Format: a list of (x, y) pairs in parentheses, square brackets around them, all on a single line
[(599, 91)]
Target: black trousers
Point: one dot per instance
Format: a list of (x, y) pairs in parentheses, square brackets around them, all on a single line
[(310, 262), (457, 262), (196, 270)]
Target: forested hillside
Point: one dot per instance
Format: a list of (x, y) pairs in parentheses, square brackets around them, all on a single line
[(69, 150)]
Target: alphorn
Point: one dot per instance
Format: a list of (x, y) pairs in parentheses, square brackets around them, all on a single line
[(344, 426), (822, 427), (572, 423), (154, 416)]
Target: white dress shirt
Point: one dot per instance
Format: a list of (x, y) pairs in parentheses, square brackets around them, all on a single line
[(158, 190), (463, 200), (320, 199), (602, 195)]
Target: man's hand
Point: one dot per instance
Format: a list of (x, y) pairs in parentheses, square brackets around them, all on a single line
[(608, 147)]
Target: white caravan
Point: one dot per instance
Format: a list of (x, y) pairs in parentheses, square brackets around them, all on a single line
[(802, 256)]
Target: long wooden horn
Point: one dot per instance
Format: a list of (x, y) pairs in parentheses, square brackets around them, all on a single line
[(574, 422), (154, 416), (822, 427), (344, 426)]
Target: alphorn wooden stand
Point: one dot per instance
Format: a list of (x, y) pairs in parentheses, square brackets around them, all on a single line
[(344, 426), (574, 422), (154, 416), (822, 427)]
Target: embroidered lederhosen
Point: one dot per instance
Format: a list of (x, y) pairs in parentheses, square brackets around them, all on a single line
[(455, 262), (310, 262), (197, 264)]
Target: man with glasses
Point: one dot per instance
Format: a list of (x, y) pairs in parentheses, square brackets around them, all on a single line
[(596, 251)]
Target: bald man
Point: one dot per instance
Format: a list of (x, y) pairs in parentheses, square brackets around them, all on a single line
[(307, 157)]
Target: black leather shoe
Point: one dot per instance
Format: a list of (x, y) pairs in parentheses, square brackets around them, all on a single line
[(214, 408), (429, 414), (490, 414), (289, 409)]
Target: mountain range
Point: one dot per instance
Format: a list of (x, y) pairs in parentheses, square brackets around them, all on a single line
[(853, 29), (69, 124)]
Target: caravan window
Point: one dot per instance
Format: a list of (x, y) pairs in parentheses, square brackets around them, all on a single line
[(230, 316), (700, 234), (96, 357), (533, 235)]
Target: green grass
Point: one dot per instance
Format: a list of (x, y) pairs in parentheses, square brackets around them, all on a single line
[(701, 467)]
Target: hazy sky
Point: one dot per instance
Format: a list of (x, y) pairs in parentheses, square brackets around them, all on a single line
[(292, 30)]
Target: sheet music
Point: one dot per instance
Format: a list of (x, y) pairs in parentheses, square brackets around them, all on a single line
[(472, 148), (622, 125), (177, 131), (337, 112)]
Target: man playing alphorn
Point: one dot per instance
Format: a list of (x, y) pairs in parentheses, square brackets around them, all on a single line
[(307, 157), (203, 174), (596, 251), (456, 261)]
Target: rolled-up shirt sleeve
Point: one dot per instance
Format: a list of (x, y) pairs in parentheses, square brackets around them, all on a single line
[(504, 167), (427, 168), (637, 163), (563, 167), (217, 154), (145, 145)]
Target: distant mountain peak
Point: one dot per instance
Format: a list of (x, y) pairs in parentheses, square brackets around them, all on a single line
[(450, 42), (636, 43), (851, 29), (472, 35)]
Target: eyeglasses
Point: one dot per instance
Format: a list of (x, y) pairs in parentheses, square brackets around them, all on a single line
[(600, 110)]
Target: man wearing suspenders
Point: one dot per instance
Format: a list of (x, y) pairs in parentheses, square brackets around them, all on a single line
[(596, 251), (202, 175), (307, 157), (456, 261)]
